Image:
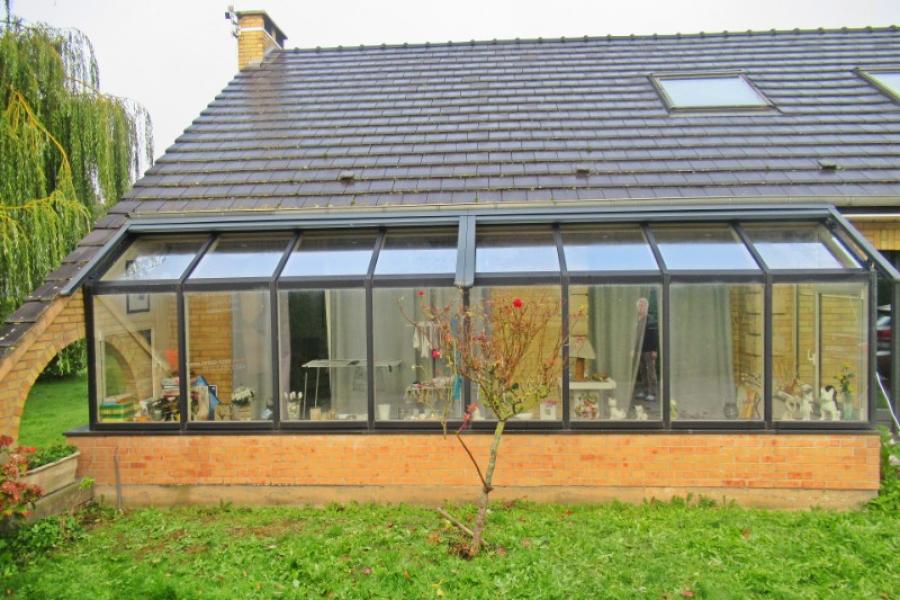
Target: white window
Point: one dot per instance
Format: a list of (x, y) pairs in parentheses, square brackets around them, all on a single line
[(709, 91)]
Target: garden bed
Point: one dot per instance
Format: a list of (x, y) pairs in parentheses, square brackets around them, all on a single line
[(56, 474)]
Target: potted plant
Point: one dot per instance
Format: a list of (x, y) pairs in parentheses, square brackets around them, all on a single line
[(52, 468), (845, 380)]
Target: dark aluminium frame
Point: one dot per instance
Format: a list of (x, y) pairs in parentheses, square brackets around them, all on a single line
[(466, 221)]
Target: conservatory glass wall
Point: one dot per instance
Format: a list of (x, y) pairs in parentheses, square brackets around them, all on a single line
[(654, 325)]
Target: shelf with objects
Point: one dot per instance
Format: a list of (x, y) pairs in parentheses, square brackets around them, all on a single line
[(663, 321)]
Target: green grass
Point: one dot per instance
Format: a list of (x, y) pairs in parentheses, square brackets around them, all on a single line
[(53, 407), (537, 551)]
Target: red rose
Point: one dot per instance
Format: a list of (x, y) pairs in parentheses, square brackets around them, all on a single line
[(435, 354), (420, 293), (518, 303)]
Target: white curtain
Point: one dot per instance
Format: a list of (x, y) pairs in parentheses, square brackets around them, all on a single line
[(251, 350), (346, 324), (701, 351), (616, 331)]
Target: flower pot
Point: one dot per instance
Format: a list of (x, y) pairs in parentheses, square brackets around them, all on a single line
[(548, 411), (54, 476), (847, 412)]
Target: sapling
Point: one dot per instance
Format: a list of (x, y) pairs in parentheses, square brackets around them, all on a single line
[(510, 350)]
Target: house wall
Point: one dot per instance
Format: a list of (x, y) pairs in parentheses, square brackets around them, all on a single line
[(884, 235), (210, 340), (786, 470)]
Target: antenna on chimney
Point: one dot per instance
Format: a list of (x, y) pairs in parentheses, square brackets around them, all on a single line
[(232, 16)]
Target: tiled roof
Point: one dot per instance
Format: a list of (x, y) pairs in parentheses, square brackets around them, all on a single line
[(537, 120), (524, 121)]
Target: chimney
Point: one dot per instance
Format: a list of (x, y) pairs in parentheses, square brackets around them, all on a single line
[(256, 33)]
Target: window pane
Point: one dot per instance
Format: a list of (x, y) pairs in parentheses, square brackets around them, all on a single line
[(412, 378), (798, 246), (614, 352), (323, 355), (703, 247), (154, 258), (819, 352), (331, 255), (889, 80), (411, 253), (136, 350), (233, 256), (716, 351), (229, 355), (607, 249), (516, 251), (702, 92), (491, 303)]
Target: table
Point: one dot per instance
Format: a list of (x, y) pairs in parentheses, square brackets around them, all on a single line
[(337, 363)]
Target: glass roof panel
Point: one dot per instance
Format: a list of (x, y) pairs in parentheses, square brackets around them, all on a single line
[(520, 250), (241, 255), (420, 252), (798, 246), (888, 80), (703, 248), (326, 255), (710, 92), (614, 248), (155, 258)]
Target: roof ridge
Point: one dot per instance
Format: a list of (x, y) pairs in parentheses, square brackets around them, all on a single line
[(595, 38)]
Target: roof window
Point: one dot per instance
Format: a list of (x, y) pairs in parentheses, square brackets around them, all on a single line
[(709, 92), (886, 81)]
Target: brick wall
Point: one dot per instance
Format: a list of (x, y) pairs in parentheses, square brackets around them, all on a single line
[(209, 326), (60, 325), (759, 468)]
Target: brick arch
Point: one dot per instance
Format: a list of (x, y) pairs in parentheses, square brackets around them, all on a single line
[(61, 324)]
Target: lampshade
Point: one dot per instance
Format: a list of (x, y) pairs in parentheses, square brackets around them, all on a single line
[(581, 348)]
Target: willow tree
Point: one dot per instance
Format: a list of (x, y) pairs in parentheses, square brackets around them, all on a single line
[(67, 151)]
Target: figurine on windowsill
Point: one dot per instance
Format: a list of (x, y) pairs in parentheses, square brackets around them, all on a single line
[(615, 413), (791, 405), (827, 406), (640, 413), (806, 401)]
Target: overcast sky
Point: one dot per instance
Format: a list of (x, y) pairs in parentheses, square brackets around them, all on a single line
[(175, 56)]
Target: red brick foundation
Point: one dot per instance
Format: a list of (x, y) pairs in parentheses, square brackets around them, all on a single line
[(790, 470)]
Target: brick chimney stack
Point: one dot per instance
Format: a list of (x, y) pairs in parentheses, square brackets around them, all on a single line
[(257, 34)]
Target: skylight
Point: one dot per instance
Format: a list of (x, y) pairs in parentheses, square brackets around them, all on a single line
[(709, 91), (887, 81)]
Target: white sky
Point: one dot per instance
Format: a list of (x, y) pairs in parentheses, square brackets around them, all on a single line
[(175, 56)]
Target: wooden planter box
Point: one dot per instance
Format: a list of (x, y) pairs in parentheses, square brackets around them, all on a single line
[(54, 476)]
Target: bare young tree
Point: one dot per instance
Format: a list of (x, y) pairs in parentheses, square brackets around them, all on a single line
[(511, 351)]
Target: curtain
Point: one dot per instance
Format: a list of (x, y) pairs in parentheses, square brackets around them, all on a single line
[(251, 339), (617, 330), (346, 326), (701, 351)]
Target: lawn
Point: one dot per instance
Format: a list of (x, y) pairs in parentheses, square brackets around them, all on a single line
[(53, 407), (655, 550), (537, 551)]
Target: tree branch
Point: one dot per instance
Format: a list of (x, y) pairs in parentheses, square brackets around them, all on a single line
[(453, 520)]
